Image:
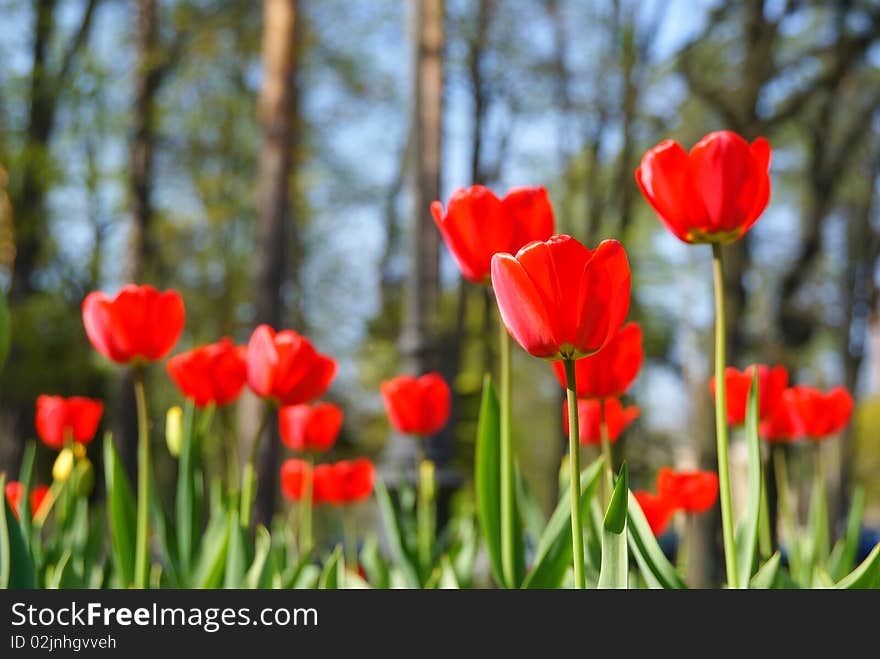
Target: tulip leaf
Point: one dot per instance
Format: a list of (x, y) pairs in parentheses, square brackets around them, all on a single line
[(307, 578), (236, 553), (487, 476), (16, 564), (655, 567), (121, 513), (747, 535), (843, 557), (5, 330), (211, 563), (866, 575), (184, 501), (165, 533), (553, 554), (258, 574), (333, 574), (396, 535), (25, 475), (615, 561), (374, 565), (765, 577), (818, 519), (443, 577)]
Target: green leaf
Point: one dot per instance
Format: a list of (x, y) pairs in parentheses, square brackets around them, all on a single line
[(55, 578), (818, 536), (396, 538), (25, 476), (307, 578), (657, 570), (5, 330), (615, 561), (121, 513), (843, 557), (165, 534), (487, 477), (258, 574), (553, 554), (333, 574), (374, 565), (185, 499), (765, 577), (747, 535), (866, 575), (16, 564), (236, 553), (211, 563), (530, 512)]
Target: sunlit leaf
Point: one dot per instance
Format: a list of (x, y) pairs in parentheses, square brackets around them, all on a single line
[(121, 513), (843, 557), (615, 561), (747, 533), (866, 575), (656, 568)]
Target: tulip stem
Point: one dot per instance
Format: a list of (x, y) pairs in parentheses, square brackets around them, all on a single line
[(141, 554), (425, 513), (249, 477), (721, 420), (508, 528), (574, 474), (349, 533), (780, 470), (607, 482), (305, 508)]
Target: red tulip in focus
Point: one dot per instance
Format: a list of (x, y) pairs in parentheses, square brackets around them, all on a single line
[(691, 491), (309, 427), (214, 373), (285, 367), (294, 476), (477, 225), (14, 491), (771, 384), (560, 300), (59, 419), (140, 324), (820, 415), (345, 482), (658, 510), (713, 194), (610, 371), (417, 406), (617, 418)]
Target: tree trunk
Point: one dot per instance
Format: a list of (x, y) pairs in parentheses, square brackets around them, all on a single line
[(277, 105)]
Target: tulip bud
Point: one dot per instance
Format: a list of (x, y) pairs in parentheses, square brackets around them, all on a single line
[(79, 451), (63, 465), (426, 480), (174, 430)]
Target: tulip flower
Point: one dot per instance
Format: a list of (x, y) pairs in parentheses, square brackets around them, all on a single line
[(715, 193), (478, 225), (820, 415), (286, 368), (309, 428), (691, 491), (67, 419), (38, 496), (139, 325), (771, 384), (610, 371), (345, 482), (417, 405), (214, 373), (14, 492), (592, 413), (295, 475), (66, 460), (658, 510), (783, 424)]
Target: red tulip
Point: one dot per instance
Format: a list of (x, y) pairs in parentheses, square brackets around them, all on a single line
[(417, 406), (692, 491), (610, 371), (477, 225), (59, 419), (783, 424), (345, 482), (560, 300), (14, 490), (139, 325), (214, 373), (771, 385), (309, 427), (286, 367), (713, 194), (658, 510), (294, 477), (38, 496), (617, 418), (820, 415)]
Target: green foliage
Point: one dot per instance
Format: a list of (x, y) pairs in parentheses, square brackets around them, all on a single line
[(615, 561), (747, 532)]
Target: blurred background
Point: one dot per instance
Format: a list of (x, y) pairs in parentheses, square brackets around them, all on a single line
[(274, 161)]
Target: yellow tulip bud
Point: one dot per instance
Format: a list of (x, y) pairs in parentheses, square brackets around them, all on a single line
[(174, 430), (63, 465)]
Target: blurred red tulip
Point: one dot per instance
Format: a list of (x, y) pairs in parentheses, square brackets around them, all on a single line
[(477, 225), (417, 406), (783, 424), (59, 419), (345, 482), (658, 510), (560, 300), (617, 418), (309, 427), (14, 491), (139, 325), (771, 384), (294, 476), (213, 373), (286, 368), (817, 414), (713, 194), (38, 496), (691, 491), (610, 371)]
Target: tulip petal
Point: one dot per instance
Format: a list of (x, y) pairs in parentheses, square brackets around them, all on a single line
[(262, 361), (530, 213), (662, 177), (522, 307)]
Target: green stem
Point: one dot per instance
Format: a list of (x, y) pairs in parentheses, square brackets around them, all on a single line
[(231, 449), (574, 474), (721, 421), (141, 553), (249, 477), (349, 533), (306, 541), (780, 469), (608, 481), (682, 557), (425, 514), (765, 533), (508, 527)]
